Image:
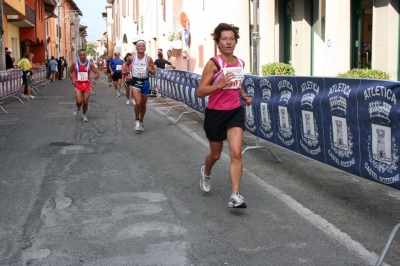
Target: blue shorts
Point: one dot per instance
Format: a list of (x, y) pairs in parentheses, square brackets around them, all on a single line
[(141, 84)]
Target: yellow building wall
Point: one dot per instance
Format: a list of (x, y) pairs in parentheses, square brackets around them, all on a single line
[(53, 37), (18, 5), (11, 32)]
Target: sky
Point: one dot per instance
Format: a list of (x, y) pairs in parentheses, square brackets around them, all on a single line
[(91, 10)]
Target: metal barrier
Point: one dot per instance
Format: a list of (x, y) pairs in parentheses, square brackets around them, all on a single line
[(387, 246), (10, 84), (39, 78)]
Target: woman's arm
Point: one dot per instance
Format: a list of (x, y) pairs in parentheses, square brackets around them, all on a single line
[(208, 73)]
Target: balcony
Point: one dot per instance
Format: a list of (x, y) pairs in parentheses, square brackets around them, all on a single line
[(27, 21)]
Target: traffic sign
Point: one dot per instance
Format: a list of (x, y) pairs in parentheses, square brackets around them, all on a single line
[(186, 36)]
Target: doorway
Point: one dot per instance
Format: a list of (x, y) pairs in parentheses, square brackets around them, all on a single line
[(287, 35), (362, 33)]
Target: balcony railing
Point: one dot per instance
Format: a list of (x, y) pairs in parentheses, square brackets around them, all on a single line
[(30, 13)]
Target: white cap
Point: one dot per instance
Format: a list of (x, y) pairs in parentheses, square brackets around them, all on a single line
[(8, 51)]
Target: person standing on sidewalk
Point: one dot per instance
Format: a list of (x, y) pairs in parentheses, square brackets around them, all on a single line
[(171, 59), (79, 73), (26, 67), (53, 68), (126, 71), (115, 69), (224, 116), (139, 79)]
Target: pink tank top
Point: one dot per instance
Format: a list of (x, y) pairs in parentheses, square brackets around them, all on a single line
[(225, 99)]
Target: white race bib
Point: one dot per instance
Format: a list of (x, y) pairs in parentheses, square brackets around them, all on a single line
[(237, 80), (83, 76), (140, 71), (118, 67)]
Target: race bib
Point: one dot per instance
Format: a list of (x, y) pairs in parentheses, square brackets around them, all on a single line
[(83, 76), (237, 80), (118, 67), (140, 71)]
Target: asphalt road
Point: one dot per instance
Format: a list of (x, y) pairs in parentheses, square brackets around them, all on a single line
[(100, 193)]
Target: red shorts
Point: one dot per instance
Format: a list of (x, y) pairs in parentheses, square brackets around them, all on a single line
[(83, 86)]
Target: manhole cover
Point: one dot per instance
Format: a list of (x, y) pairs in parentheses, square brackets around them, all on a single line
[(60, 144), (76, 150)]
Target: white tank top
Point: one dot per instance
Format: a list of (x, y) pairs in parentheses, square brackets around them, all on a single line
[(139, 68)]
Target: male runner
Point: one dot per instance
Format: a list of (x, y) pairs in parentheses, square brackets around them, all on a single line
[(79, 73), (115, 69), (139, 78)]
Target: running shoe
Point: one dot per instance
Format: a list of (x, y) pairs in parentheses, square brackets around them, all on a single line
[(141, 127), (127, 102), (205, 181), (133, 102), (118, 94), (137, 125), (24, 96), (237, 201), (31, 97), (76, 111), (84, 118)]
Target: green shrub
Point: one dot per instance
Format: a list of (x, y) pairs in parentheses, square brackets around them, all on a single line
[(273, 69), (365, 73)]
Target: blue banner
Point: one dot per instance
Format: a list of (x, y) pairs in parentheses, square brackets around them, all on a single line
[(350, 124)]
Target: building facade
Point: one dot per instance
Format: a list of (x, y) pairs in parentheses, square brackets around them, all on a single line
[(44, 28), (353, 34)]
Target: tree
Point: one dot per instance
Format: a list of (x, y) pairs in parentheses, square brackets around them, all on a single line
[(90, 49)]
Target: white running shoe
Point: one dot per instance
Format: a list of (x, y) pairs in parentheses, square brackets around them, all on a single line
[(137, 125), (205, 181), (141, 127), (23, 96), (76, 111), (118, 94), (237, 201), (133, 102), (31, 97), (127, 102), (84, 118)]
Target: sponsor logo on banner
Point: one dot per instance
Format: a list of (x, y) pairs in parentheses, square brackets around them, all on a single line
[(308, 124), (285, 129), (341, 138), (382, 149), (249, 110), (172, 85), (195, 99), (265, 114)]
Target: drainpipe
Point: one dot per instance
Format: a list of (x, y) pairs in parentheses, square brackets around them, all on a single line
[(256, 38), (2, 52)]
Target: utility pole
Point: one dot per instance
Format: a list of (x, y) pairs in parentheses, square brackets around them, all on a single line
[(256, 38), (2, 51)]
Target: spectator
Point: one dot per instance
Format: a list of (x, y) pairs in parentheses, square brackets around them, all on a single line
[(26, 67), (60, 68), (161, 62), (53, 68), (9, 60), (171, 59)]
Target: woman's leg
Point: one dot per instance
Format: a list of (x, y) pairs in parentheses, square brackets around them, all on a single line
[(235, 141), (213, 156)]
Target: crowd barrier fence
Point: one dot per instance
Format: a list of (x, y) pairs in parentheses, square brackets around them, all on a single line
[(350, 124), (11, 82)]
